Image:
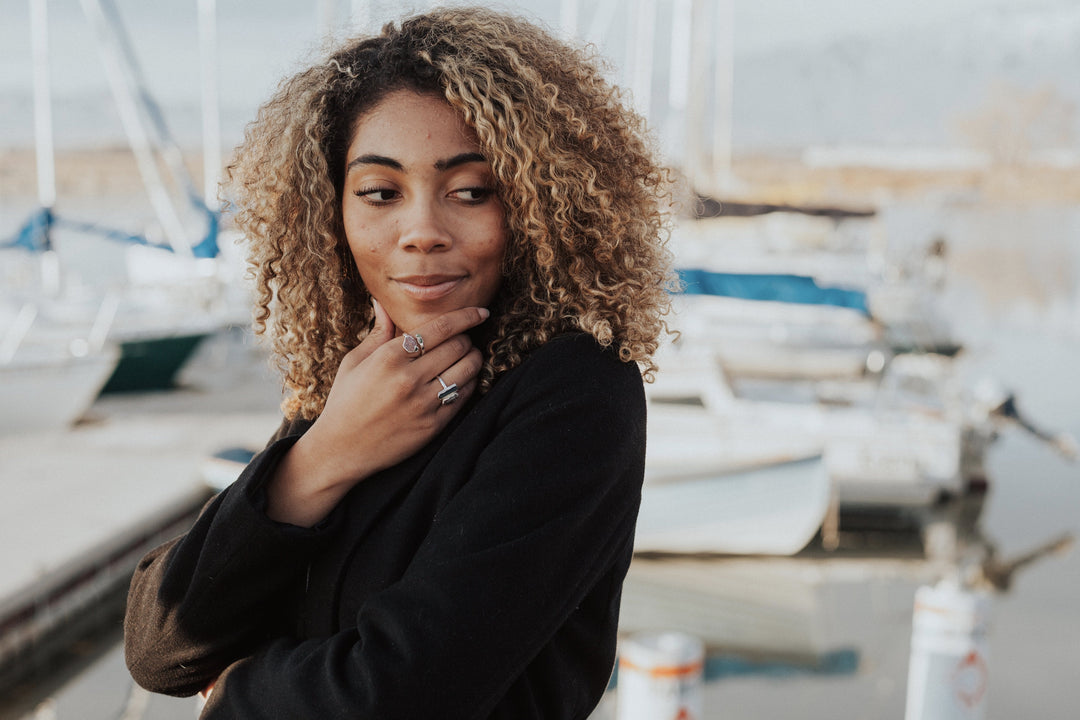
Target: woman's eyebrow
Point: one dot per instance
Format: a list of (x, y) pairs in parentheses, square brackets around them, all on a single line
[(463, 158), (374, 160), (440, 165)]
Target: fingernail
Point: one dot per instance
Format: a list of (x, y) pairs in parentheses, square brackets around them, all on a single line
[(484, 313), (374, 303)]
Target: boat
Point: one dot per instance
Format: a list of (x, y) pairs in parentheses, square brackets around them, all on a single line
[(779, 340), (170, 306), (919, 435), (152, 363), (792, 297), (176, 292), (880, 454), (51, 391), (46, 383), (769, 509)]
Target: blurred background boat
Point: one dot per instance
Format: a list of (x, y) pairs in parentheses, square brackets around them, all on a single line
[(899, 429), (47, 383), (169, 293)]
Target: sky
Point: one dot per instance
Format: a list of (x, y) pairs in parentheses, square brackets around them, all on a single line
[(262, 40), (760, 24), (768, 24)]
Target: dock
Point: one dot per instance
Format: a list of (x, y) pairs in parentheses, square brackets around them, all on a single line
[(82, 506)]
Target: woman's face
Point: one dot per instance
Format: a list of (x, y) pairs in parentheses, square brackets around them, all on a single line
[(420, 211)]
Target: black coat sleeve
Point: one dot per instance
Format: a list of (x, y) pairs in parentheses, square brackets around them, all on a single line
[(197, 603), (548, 511)]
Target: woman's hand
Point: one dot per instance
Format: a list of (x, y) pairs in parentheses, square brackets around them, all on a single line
[(384, 406)]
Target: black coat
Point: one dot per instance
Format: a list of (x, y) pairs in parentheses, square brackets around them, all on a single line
[(480, 578)]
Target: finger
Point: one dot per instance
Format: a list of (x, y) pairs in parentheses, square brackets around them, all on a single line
[(461, 373), (450, 324), (463, 370), (462, 393), (382, 331), (465, 391), (445, 355)]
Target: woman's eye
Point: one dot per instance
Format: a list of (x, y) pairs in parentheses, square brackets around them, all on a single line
[(474, 195), (377, 196)]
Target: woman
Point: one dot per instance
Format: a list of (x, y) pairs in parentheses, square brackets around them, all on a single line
[(455, 232)]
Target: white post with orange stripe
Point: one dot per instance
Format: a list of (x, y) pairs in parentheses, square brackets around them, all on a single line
[(947, 673), (660, 677)]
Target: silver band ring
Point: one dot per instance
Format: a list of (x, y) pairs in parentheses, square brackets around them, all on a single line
[(449, 393), (413, 343)]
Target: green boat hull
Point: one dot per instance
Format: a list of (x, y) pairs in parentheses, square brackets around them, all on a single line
[(152, 363)]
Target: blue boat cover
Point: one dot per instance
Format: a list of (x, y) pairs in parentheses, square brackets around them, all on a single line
[(766, 286), (35, 234)]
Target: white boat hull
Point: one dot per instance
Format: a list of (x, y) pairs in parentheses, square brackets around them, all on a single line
[(888, 456), (51, 394), (772, 510)]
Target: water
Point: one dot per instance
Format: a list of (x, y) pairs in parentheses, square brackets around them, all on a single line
[(1035, 632)]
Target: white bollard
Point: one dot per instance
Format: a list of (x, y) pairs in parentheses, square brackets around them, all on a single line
[(660, 677), (947, 673)]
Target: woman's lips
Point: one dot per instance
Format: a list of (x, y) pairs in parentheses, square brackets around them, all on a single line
[(428, 287)]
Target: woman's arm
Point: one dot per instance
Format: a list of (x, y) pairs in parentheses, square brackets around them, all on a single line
[(547, 514), (198, 603)]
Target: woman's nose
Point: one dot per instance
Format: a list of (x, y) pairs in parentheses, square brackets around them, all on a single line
[(423, 228)]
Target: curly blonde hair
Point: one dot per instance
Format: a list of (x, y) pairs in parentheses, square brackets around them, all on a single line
[(584, 195)]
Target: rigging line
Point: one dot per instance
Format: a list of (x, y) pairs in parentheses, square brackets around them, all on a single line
[(167, 145), (135, 130)]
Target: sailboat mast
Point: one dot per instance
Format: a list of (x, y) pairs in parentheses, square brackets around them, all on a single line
[(136, 132), (723, 93), (211, 123), (696, 105), (639, 55), (679, 83), (43, 143), (43, 127)]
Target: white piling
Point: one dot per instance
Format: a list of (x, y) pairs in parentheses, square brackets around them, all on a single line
[(660, 677), (948, 672)]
